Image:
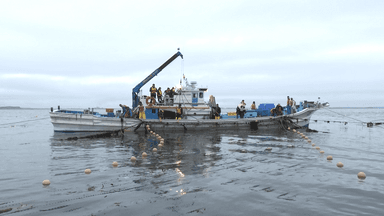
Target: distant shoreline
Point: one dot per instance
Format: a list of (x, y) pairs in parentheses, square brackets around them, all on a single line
[(10, 107), (17, 107)]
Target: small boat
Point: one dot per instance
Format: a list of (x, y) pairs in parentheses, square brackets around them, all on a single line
[(197, 114)]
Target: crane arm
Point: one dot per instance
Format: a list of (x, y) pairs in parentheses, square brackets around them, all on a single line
[(136, 90)]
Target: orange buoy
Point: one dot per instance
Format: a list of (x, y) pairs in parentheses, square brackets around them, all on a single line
[(144, 154), (154, 150), (294, 130), (329, 157), (321, 152), (317, 148), (160, 145), (133, 158), (289, 128), (309, 141), (115, 164), (339, 164), (87, 171), (313, 144), (46, 182), (361, 175)]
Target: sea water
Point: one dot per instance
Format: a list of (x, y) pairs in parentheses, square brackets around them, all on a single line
[(211, 172)]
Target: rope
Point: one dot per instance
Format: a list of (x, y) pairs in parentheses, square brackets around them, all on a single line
[(351, 118), (25, 121)]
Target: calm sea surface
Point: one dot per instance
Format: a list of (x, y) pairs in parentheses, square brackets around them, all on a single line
[(205, 173)]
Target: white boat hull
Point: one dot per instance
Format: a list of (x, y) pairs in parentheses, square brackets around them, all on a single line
[(71, 122)]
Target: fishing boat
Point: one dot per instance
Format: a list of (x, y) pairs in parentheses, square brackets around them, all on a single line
[(197, 114)]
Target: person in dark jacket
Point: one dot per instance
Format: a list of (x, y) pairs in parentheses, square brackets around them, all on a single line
[(153, 91), (160, 95), (279, 109), (217, 112), (179, 112)]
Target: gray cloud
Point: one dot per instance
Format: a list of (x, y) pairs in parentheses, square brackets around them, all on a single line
[(91, 53)]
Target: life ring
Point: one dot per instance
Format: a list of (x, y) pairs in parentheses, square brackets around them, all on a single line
[(150, 98)]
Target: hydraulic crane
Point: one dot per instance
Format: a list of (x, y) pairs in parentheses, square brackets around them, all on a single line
[(136, 90)]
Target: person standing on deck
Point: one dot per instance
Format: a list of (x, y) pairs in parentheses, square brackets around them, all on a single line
[(293, 105), (241, 109), (289, 107), (253, 106), (160, 95), (167, 96), (217, 111), (171, 95), (141, 111), (153, 91), (179, 112)]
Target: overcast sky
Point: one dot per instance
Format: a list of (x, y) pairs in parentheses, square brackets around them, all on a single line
[(92, 53)]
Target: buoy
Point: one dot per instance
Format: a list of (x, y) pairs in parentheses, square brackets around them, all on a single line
[(329, 157), (159, 137), (268, 149), (313, 144), (294, 130), (115, 164), (298, 132), (87, 171), (162, 140), (321, 152), (133, 158), (361, 175), (46, 182), (339, 164), (154, 150), (160, 145), (305, 137), (144, 154), (289, 128), (317, 148), (309, 141)]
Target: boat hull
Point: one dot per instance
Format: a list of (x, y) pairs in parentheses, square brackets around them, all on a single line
[(300, 119), (71, 122)]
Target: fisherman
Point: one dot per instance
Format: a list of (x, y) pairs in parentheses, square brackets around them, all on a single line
[(288, 100), (160, 95), (289, 109), (173, 92), (179, 112), (273, 112), (217, 111), (161, 114), (279, 109), (153, 91), (141, 111), (253, 106), (241, 109), (293, 105), (167, 96), (126, 111), (171, 95)]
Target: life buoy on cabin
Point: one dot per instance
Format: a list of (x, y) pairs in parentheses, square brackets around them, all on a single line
[(148, 99)]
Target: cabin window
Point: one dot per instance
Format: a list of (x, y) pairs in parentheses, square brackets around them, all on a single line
[(194, 95), (201, 95)]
